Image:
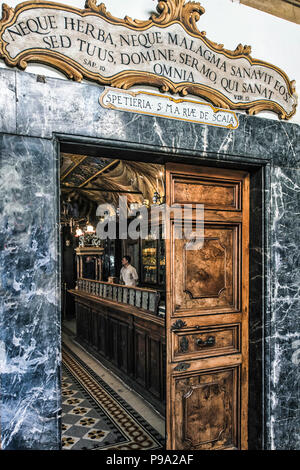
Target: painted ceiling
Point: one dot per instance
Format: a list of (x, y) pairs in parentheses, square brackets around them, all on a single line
[(90, 181)]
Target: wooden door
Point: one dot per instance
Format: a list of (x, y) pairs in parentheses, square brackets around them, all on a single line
[(207, 312)]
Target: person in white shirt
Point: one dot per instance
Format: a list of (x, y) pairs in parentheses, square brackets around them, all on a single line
[(128, 273)]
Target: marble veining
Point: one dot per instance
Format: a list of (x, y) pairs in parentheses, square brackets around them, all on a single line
[(42, 108), (8, 98), (285, 294), (37, 114), (29, 322)]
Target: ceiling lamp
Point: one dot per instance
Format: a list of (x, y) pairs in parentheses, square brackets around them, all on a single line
[(156, 198), (79, 232), (134, 206), (89, 229)]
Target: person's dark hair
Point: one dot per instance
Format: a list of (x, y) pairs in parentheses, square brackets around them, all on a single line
[(127, 257)]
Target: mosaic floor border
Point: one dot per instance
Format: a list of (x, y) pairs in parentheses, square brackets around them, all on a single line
[(109, 422)]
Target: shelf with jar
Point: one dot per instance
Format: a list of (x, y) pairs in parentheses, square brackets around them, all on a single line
[(153, 262)]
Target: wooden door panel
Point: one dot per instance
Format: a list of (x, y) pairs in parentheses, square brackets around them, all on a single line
[(205, 342), (207, 279), (207, 310), (221, 195), (207, 410)]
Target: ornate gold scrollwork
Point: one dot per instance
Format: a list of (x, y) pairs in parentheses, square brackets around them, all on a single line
[(168, 13)]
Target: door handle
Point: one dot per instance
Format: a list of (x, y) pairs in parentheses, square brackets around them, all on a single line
[(211, 341)]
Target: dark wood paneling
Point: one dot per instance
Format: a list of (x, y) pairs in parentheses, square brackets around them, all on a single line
[(128, 340), (101, 330), (123, 356), (140, 356), (154, 366), (94, 329), (113, 339)]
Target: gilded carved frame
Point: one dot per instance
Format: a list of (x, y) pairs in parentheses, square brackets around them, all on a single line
[(169, 12)]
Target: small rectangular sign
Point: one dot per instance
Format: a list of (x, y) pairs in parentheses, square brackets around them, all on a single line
[(143, 102)]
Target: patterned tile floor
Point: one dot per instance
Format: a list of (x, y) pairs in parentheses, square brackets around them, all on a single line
[(95, 417), (84, 425)]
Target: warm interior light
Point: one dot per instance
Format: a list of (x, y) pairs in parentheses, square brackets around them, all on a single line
[(79, 232), (89, 229)]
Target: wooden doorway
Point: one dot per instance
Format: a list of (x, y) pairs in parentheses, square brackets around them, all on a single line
[(207, 312)]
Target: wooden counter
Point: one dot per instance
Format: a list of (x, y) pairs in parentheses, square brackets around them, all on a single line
[(128, 340)]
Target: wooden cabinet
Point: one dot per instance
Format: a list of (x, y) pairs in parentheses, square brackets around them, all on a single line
[(148, 257), (128, 340), (153, 263)]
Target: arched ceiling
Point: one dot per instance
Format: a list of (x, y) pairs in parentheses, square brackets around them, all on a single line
[(102, 180)]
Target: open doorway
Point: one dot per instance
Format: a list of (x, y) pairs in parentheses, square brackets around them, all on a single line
[(195, 301), (113, 304)]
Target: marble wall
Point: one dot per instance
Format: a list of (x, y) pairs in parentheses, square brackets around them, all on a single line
[(30, 329), (36, 114), (283, 318)]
